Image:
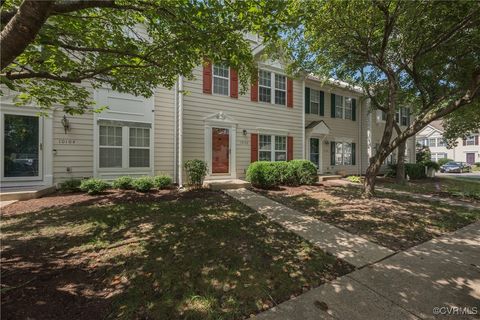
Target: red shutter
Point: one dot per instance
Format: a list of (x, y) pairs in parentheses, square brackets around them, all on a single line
[(233, 83), (289, 93), (207, 77), (254, 147), (254, 91), (476, 140), (289, 148)]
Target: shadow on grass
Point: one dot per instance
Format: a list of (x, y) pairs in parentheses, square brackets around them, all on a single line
[(197, 255)]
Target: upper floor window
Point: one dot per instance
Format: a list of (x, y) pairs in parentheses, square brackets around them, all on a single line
[(470, 141), (221, 76), (314, 101), (269, 82), (272, 148), (432, 142), (343, 107), (404, 114)]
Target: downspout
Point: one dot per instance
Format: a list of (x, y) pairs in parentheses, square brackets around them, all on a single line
[(303, 121), (175, 131), (180, 132), (360, 140)]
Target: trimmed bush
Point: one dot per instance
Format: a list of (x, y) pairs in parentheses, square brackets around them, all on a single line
[(477, 164), (196, 171), (162, 182), (442, 161), (414, 170), (71, 185), (354, 179), (143, 184), (94, 186), (264, 174), (304, 171), (123, 183), (432, 164)]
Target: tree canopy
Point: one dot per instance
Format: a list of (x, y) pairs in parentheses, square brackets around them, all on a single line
[(420, 54), (49, 47)]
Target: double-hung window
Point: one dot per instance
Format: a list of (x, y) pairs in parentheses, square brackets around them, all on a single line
[(343, 153), (338, 106), (280, 89), (404, 116), (348, 108), (343, 107), (139, 148), (110, 147), (265, 86), (440, 142), (272, 148), (272, 87), (432, 142), (314, 101), (221, 76), (470, 141)]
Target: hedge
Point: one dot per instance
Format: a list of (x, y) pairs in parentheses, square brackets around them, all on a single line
[(414, 171), (267, 174)]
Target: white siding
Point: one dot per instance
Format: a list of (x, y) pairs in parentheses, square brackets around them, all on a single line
[(164, 131)]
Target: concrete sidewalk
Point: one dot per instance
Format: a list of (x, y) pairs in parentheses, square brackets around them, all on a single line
[(351, 248), (439, 276)]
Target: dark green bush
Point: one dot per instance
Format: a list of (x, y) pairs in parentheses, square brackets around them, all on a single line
[(162, 182), (143, 184), (94, 186), (414, 170), (123, 183), (196, 171), (71, 185), (431, 164), (264, 174), (442, 161), (303, 172), (477, 164)]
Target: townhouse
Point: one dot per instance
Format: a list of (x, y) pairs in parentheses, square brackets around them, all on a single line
[(277, 119), (467, 150)]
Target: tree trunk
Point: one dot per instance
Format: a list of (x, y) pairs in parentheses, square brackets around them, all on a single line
[(22, 29), (371, 176), (400, 177)]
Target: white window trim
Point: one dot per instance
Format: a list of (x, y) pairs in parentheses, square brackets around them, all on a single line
[(343, 141), (273, 146), (470, 141), (135, 147), (344, 106), (311, 101), (273, 87), (220, 77)]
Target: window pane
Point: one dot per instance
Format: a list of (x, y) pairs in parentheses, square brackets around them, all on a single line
[(280, 143), (280, 97), (280, 82), (314, 151), (265, 143), (139, 158), (348, 108), (264, 156), (265, 94), (338, 106), (220, 70), (280, 156), (264, 78), (347, 153), (314, 108), (220, 86), (110, 136), (314, 101), (110, 157), (432, 142), (139, 137), (338, 153)]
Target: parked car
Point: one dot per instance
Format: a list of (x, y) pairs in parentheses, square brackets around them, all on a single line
[(455, 167)]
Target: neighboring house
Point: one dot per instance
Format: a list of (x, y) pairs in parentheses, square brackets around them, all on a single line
[(277, 119), (467, 150)]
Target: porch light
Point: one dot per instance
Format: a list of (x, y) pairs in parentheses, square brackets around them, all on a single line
[(244, 132), (327, 142), (66, 124)]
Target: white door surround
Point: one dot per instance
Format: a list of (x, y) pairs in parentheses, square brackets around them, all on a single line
[(45, 165), (220, 120), (317, 130)]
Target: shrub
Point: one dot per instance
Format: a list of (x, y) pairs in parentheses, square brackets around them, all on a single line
[(162, 182), (302, 172), (143, 184), (442, 161), (354, 179), (94, 186), (432, 164), (414, 170), (123, 183), (264, 174), (196, 171), (71, 185), (477, 164)]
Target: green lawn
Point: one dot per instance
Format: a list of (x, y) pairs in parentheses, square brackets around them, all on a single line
[(394, 221), (456, 187), (198, 255)]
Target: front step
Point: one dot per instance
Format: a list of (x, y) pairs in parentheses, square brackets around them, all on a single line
[(24, 193), (226, 184), (329, 177)]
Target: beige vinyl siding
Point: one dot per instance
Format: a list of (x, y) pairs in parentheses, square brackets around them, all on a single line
[(250, 117), (339, 128), (164, 131), (77, 156)]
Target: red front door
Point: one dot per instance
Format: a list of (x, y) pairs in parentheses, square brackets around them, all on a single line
[(220, 150)]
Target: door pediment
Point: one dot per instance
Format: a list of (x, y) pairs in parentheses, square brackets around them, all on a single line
[(317, 128)]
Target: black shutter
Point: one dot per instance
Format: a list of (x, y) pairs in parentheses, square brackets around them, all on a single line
[(332, 105), (354, 109), (408, 116), (307, 100), (322, 103), (332, 153), (353, 153)]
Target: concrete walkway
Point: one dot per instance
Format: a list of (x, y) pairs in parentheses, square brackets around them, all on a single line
[(351, 248), (439, 279)]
